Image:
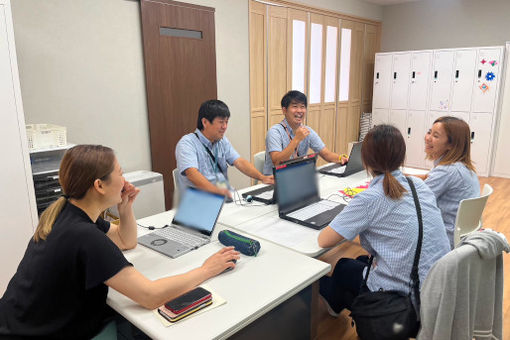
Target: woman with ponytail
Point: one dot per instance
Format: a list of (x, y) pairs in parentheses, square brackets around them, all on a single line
[(59, 290), (384, 216)]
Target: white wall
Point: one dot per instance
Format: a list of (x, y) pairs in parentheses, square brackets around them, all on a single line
[(81, 66), (432, 24)]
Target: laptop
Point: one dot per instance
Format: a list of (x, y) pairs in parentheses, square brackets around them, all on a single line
[(267, 194), (353, 165), (191, 227), (297, 195)]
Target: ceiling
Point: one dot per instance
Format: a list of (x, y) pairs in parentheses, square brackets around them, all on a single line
[(389, 2)]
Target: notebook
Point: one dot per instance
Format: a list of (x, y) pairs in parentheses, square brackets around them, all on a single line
[(191, 227), (353, 165), (297, 195)]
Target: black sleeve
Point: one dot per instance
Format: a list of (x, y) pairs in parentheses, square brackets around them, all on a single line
[(100, 258)]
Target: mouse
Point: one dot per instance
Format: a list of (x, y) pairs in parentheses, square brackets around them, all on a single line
[(230, 268), (228, 200)]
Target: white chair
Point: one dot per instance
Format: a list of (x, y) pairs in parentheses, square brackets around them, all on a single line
[(177, 192), (258, 161), (469, 214)]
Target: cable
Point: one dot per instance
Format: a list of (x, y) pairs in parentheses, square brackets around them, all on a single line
[(239, 200), (151, 227)]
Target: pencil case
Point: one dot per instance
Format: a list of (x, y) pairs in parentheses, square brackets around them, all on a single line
[(243, 244)]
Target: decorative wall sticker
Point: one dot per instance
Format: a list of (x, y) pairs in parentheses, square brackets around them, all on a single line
[(443, 105), (484, 87), (493, 62), (483, 61), (490, 76)]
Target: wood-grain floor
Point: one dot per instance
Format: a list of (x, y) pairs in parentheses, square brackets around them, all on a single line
[(496, 216)]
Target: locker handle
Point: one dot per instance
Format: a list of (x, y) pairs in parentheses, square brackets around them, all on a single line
[(472, 136), (414, 74), (457, 74), (394, 75), (479, 73), (377, 75), (409, 131), (435, 74)]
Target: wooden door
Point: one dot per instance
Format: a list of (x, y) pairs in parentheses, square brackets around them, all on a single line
[(180, 71)]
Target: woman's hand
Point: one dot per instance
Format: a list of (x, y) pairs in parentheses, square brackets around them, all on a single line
[(220, 261), (129, 193)]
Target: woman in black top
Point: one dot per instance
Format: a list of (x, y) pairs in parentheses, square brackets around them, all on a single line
[(60, 287)]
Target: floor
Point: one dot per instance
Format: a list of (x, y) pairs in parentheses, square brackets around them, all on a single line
[(496, 216)]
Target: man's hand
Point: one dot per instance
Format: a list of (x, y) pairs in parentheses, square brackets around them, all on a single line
[(301, 133), (267, 179)]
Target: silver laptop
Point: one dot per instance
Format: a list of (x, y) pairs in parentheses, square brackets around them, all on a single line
[(191, 227)]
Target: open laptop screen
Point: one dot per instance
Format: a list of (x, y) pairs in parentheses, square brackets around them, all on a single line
[(199, 210), (296, 185)]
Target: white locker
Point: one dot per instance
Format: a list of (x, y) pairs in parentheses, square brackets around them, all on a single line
[(481, 126), (462, 115), (487, 78), (419, 80), (463, 78), (380, 116), (441, 80), (415, 139), (398, 118), (400, 80), (382, 81)]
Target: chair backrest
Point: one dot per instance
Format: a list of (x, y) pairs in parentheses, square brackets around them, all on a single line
[(258, 161), (469, 214), (177, 192)]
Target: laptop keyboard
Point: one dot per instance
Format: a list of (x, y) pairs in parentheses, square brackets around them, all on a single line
[(180, 236), (340, 170), (312, 210)]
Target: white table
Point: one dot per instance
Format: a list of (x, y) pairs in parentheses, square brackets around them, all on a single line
[(252, 289)]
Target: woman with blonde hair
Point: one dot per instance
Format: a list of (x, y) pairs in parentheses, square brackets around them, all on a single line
[(59, 290), (385, 218), (453, 177)]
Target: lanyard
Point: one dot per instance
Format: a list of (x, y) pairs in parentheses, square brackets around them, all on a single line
[(295, 153), (214, 160)]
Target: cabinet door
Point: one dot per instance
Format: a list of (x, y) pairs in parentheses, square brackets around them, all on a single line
[(462, 115), (441, 80), (382, 81), (481, 127), (398, 118), (487, 74), (463, 78), (400, 80), (415, 139), (420, 77), (380, 116)]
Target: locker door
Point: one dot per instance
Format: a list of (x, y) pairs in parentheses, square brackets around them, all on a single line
[(382, 81), (486, 80), (420, 77), (380, 116), (400, 80), (441, 80), (398, 118), (415, 139), (462, 115), (463, 78), (480, 124)]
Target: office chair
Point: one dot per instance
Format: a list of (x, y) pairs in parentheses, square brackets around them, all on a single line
[(177, 193), (469, 214), (258, 161)]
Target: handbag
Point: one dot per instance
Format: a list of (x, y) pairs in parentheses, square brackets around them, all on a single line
[(385, 315)]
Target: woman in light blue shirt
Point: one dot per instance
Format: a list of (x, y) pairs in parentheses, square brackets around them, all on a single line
[(384, 216), (453, 177)]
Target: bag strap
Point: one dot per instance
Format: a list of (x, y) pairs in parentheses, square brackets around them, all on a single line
[(211, 155), (414, 273), (415, 278)]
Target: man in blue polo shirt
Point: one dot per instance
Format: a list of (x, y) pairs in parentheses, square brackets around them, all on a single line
[(291, 138), (204, 155)]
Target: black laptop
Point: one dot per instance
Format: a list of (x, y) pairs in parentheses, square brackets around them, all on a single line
[(353, 165), (297, 195)]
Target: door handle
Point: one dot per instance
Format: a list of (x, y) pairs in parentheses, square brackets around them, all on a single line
[(435, 74), (394, 75)]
